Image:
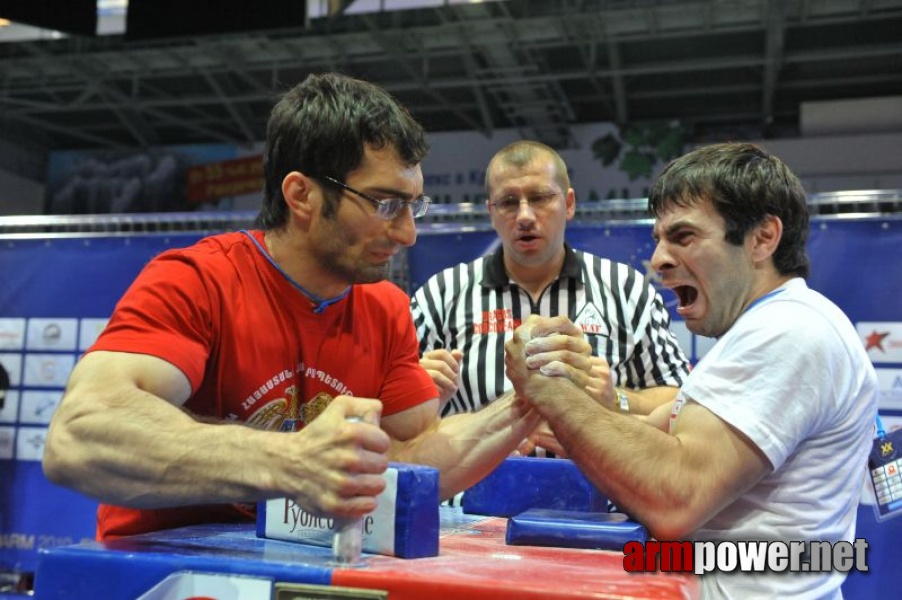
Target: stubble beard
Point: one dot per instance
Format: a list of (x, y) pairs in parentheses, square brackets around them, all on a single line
[(332, 257)]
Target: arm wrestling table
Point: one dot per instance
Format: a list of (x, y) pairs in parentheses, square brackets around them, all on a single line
[(228, 562)]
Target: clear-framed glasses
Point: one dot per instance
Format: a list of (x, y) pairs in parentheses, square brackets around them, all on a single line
[(508, 206), (387, 208)]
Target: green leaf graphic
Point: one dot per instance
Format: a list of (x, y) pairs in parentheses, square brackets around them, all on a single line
[(606, 149)]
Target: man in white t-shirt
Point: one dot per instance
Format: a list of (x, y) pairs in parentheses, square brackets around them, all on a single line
[(769, 435)]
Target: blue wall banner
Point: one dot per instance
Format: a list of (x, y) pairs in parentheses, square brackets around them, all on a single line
[(57, 292), (55, 297), (855, 262)]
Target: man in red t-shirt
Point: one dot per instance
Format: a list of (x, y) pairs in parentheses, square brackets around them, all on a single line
[(199, 398)]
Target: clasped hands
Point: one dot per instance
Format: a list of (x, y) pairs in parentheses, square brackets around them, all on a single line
[(543, 352), (542, 348)]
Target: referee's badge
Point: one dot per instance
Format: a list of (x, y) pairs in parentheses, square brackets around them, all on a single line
[(589, 320)]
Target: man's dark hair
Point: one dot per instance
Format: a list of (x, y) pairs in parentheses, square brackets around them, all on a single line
[(321, 127), (745, 184)]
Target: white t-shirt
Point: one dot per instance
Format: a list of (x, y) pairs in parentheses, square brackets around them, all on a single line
[(793, 376)]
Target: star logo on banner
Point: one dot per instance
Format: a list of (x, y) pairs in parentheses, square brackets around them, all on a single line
[(875, 340)]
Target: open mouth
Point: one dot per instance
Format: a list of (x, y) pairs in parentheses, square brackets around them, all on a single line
[(686, 294)]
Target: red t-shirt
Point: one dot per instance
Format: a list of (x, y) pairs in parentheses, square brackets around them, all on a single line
[(254, 350)]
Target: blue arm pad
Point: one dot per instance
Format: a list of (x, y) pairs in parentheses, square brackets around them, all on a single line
[(573, 529), (519, 484)]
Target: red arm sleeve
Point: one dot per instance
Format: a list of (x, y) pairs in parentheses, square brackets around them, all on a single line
[(168, 313)]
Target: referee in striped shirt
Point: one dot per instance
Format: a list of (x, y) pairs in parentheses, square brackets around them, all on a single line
[(465, 313)]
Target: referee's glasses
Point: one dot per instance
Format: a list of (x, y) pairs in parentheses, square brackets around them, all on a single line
[(509, 206), (387, 208)]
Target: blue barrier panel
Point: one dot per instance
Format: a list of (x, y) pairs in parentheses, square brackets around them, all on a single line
[(55, 296), (884, 577), (856, 262)]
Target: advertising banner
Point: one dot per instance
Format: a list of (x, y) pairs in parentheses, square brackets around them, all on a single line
[(57, 293), (55, 297), (854, 262)]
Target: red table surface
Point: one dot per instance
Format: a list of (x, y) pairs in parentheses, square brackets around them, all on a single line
[(475, 563)]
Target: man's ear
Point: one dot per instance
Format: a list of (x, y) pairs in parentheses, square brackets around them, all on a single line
[(296, 189), (570, 200), (766, 237)]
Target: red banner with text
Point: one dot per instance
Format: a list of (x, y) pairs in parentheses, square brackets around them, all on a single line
[(226, 178)]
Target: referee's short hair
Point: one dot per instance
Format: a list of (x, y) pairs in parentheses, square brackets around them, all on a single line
[(523, 152)]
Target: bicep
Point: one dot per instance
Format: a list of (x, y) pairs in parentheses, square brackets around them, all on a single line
[(722, 462), (101, 372), (651, 399), (659, 418), (410, 423)]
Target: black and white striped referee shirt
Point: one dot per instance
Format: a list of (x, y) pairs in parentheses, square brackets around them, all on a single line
[(476, 307)]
